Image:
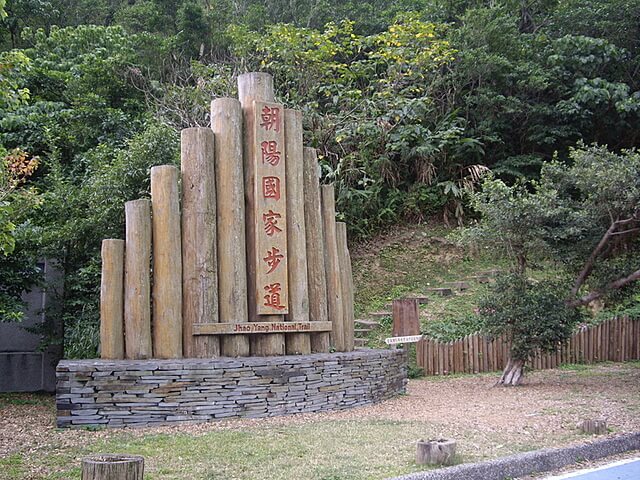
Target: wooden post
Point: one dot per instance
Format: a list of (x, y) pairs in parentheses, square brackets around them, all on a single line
[(199, 259), (316, 273), (167, 263), (406, 317), (226, 123), (347, 286), (332, 266), (593, 427), (112, 300), (296, 343), (137, 284), (113, 467), (255, 87)]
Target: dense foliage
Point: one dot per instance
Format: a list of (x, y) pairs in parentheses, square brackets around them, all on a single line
[(409, 103), (533, 315)]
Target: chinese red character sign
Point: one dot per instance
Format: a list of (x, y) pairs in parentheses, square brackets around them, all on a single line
[(270, 210)]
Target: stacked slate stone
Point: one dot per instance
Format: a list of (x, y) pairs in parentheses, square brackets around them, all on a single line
[(149, 392)]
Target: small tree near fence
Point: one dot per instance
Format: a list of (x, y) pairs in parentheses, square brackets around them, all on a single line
[(533, 316), (585, 218)]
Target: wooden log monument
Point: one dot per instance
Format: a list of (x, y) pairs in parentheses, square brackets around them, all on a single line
[(238, 252)]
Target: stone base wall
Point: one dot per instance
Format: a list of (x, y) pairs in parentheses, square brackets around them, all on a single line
[(117, 393)]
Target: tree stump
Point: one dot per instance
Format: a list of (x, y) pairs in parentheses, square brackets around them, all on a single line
[(436, 452), (593, 427), (113, 467)]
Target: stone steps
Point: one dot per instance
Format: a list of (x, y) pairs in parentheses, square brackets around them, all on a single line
[(380, 315), (360, 342), (366, 322)]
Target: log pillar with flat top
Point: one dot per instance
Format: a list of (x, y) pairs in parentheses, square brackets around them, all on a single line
[(316, 273), (226, 123), (332, 267), (406, 317), (265, 207), (167, 263), (199, 257), (296, 343), (137, 281), (112, 300), (347, 286)]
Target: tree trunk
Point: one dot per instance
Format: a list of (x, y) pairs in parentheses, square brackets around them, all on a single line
[(513, 373), (113, 467)]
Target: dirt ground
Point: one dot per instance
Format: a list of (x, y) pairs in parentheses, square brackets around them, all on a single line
[(543, 412)]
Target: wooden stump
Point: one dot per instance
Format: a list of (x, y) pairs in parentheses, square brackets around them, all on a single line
[(113, 467), (436, 452), (593, 427)]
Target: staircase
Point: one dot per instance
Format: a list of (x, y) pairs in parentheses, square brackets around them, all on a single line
[(364, 326)]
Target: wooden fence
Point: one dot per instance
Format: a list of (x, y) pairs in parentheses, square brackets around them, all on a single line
[(615, 340)]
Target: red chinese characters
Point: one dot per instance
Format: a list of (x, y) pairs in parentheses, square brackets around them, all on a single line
[(273, 259), (270, 153), (270, 220), (271, 187), (270, 209), (272, 298), (270, 118)]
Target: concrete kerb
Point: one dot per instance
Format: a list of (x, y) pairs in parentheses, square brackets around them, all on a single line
[(529, 463)]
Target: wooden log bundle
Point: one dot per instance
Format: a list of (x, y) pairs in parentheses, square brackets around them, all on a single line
[(243, 234)]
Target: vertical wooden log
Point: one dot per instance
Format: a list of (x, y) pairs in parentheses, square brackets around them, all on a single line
[(226, 124), (344, 259), (332, 266), (296, 343), (316, 273), (255, 87), (137, 282), (112, 300), (406, 317), (623, 338), (199, 259), (167, 263)]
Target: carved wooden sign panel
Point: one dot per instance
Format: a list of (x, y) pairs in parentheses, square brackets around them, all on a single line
[(270, 210)]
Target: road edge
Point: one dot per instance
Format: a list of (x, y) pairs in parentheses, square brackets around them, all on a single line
[(519, 465)]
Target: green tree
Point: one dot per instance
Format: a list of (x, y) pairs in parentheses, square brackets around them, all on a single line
[(584, 218)]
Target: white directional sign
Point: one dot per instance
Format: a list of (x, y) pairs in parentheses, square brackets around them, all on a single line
[(408, 339)]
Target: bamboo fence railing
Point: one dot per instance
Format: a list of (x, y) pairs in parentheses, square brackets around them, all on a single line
[(616, 340)]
